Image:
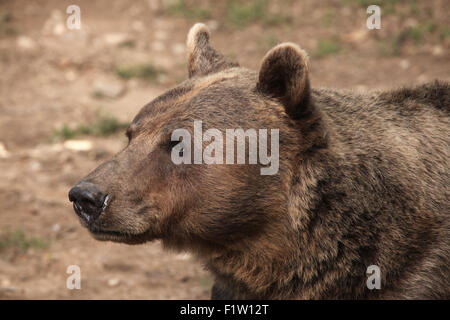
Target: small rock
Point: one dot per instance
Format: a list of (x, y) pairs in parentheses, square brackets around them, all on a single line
[(138, 26), (78, 145), (113, 282), (422, 78), (411, 22), (56, 227), (114, 39), (132, 83), (35, 165), (59, 29), (178, 48), (70, 75), (437, 51), (109, 89), (3, 152), (361, 88), (5, 282), (10, 290), (162, 78), (26, 43), (356, 36), (213, 25), (404, 64), (55, 24)]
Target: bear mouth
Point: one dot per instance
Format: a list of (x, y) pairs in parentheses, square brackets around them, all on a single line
[(121, 237)]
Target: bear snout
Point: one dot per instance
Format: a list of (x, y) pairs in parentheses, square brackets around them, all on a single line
[(88, 201)]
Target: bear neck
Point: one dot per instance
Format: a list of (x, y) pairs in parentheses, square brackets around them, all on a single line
[(305, 254)]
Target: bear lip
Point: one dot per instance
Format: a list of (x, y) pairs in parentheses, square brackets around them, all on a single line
[(117, 236)]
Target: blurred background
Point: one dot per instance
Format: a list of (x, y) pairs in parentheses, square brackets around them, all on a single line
[(66, 97)]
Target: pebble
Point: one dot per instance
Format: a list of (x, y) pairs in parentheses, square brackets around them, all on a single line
[(70, 75), (59, 28), (35, 165), (114, 39), (422, 78), (56, 227), (3, 152), (113, 282), (26, 43), (213, 25), (54, 24), (78, 145), (404, 64), (437, 51), (178, 48), (109, 89), (356, 36)]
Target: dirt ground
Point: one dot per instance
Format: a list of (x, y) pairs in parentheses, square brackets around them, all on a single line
[(57, 87)]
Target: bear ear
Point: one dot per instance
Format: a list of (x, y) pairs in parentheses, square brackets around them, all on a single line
[(284, 75), (202, 57)]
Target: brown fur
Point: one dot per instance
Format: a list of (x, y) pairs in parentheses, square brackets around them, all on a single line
[(363, 180)]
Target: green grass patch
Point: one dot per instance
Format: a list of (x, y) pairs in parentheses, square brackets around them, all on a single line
[(413, 8), (127, 44), (144, 71), (390, 47), (444, 32), (5, 17), (328, 18), (103, 126), (326, 47), (19, 240), (181, 8), (415, 34), (386, 6), (269, 41), (418, 32), (5, 24), (243, 13), (366, 3), (393, 46)]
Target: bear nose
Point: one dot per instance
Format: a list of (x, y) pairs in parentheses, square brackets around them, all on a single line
[(88, 201)]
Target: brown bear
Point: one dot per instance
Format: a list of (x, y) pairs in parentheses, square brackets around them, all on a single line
[(363, 181)]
